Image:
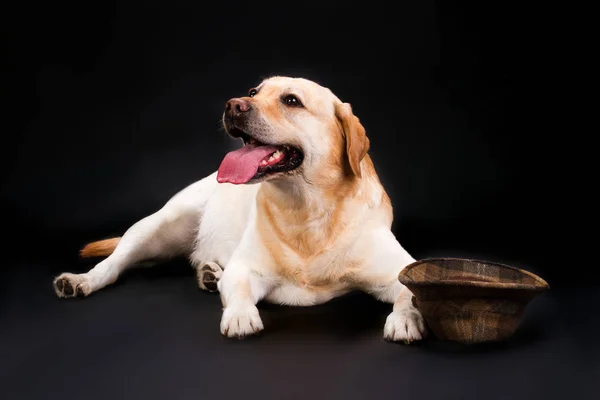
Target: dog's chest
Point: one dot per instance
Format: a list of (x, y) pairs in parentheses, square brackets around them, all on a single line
[(332, 268), (302, 282), (318, 258)]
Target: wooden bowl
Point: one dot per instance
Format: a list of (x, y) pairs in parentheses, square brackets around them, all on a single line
[(470, 301)]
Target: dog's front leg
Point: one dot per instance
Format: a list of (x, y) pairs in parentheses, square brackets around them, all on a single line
[(379, 277), (405, 323), (241, 287)]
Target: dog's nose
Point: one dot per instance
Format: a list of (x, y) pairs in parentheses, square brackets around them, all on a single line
[(236, 107)]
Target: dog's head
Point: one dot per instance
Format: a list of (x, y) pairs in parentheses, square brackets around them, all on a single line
[(291, 126)]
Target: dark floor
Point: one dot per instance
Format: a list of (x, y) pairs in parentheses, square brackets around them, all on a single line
[(154, 335)]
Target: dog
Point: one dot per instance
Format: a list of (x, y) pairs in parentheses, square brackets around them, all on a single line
[(296, 216)]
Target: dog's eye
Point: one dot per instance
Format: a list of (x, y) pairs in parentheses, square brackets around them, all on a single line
[(292, 101), (252, 92)]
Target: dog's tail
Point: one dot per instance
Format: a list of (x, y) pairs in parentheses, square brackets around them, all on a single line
[(100, 248)]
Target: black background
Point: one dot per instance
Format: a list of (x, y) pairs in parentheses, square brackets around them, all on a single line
[(112, 108)]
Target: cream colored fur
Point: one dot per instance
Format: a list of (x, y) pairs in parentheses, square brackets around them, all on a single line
[(299, 239)]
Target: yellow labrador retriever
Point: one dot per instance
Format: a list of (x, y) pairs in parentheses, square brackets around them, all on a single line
[(295, 216)]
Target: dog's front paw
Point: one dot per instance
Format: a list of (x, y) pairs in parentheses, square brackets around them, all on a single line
[(241, 321), (71, 285), (405, 325)]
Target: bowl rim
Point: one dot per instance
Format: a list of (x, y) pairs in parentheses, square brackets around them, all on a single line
[(540, 284)]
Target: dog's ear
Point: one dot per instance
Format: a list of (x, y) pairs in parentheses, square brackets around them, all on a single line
[(357, 142)]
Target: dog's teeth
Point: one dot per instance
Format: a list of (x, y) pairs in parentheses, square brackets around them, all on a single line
[(275, 156)]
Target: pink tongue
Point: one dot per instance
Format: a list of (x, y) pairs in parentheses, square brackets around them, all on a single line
[(239, 166)]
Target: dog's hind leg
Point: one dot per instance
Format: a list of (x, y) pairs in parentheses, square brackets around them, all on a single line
[(167, 233), (158, 236)]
